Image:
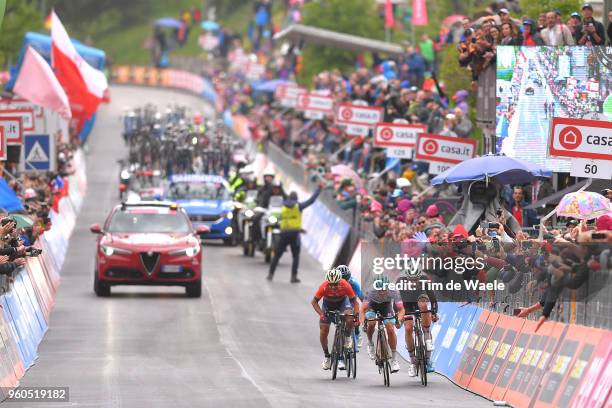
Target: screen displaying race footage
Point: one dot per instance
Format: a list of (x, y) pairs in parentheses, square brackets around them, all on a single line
[(536, 83)]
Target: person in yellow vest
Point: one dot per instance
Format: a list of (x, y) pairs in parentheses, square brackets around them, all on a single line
[(291, 227)]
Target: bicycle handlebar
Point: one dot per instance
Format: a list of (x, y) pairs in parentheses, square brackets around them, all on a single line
[(407, 315)]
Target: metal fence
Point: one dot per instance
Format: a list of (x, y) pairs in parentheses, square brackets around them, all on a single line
[(589, 305)]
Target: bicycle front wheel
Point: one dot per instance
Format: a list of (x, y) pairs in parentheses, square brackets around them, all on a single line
[(348, 363), (422, 359), (336, 351), (387, 373)]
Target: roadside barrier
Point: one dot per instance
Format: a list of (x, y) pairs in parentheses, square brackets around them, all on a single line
[(25, 309), (503, 358)]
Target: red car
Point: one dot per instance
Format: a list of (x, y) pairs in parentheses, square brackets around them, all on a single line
[(148, 243)]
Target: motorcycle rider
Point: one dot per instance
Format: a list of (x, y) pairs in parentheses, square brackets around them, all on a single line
[(291, 227), (264, 193), (237, 179)]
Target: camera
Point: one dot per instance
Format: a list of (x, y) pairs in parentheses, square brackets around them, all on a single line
[(33, 252), (489, 225)]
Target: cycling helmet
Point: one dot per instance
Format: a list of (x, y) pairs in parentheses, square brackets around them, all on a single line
[(345, 271), (333, 276), (381, 282)]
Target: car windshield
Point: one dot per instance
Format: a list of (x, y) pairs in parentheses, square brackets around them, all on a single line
[(149, 223), (198, 190)]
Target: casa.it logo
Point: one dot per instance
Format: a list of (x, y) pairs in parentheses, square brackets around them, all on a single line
[(570, 137), (386, 134), (346, 113), (430, 147)]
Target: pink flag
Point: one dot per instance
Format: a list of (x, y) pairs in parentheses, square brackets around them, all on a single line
[(389, 22), (37, 84), (419, 13), (83, 84)]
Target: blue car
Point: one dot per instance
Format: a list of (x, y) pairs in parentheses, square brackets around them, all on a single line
[(207, 200)]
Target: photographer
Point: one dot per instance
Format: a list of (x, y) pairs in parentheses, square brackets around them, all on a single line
[(13, 251), (593, 32)]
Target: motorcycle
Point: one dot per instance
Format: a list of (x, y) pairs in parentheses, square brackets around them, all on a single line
[(248, 230), (270, 227), (240, 207), (124, 183)]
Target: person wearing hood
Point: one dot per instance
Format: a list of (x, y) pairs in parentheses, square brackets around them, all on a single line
[(460, 99), (291, 227)]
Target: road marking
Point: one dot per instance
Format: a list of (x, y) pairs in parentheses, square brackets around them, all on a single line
[(243, 370)]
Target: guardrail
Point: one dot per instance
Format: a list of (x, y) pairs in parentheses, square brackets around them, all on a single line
[(26, 306), (504, 358)]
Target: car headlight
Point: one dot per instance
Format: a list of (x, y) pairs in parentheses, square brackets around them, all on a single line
[(229, 215), (190, 252), (249, 213), (272, 219), (110, 251)]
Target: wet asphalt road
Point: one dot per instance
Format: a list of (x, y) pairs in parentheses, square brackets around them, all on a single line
[(246, 343)]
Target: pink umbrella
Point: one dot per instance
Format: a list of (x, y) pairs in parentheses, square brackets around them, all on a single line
[(450, 20), (342, 170)]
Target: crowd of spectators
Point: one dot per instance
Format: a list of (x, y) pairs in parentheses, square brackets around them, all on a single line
[(393, 198), (39, 194), (480, 38)]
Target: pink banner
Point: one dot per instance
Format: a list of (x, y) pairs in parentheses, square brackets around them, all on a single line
[(419, 13)]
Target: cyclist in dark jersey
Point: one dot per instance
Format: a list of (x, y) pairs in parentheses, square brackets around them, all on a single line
[(337, 295), (380, 299), (413, 300)]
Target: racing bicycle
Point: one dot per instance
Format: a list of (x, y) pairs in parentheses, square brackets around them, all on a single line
[(383, 351), (339, 352), (420, 349)]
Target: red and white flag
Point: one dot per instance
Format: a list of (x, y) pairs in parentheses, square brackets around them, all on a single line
[(37, 84), (389, 21), (419, 13), (83, 84)]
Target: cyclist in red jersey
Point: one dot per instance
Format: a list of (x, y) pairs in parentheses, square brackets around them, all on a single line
[(337, 295)]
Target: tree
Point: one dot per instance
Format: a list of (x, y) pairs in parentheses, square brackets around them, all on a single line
[(2, 6), (20, 17), (535, 8), (356, 17)]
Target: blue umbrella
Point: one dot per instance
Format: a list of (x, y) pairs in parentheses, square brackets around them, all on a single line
[(8, 199), (169, 22), (209, 25), (503, 169), (270, 86)]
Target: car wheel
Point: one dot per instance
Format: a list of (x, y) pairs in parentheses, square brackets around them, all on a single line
[(228, 241), (100, 288), (194, 290)]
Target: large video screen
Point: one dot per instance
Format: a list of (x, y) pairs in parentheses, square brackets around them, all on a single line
[(536, 83)]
